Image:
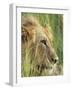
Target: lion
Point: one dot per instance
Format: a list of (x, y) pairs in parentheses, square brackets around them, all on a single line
[(39, 57)]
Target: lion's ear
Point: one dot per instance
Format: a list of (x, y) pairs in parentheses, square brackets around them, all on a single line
[(27, 35)]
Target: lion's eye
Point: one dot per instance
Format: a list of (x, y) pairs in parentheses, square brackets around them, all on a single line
[(43, 41)]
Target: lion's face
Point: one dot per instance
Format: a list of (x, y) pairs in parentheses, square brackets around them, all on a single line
[(45, 49), (34, 35)]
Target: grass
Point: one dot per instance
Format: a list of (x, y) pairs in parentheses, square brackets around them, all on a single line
[(55, 21)]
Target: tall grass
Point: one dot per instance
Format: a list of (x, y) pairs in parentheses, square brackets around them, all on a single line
[(55, 21)]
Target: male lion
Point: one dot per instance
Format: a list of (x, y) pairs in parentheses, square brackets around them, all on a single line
[(38, 54)]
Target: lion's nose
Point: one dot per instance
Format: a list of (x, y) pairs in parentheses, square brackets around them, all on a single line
[(54, 60)]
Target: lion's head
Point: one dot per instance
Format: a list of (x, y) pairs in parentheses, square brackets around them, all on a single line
[(38, 40)]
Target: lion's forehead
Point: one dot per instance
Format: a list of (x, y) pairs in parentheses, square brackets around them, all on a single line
[(40, 34)]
